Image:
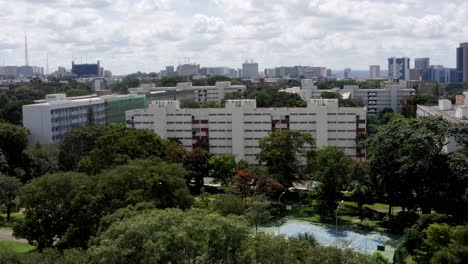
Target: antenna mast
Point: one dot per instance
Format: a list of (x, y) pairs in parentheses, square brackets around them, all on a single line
[(26, 49)]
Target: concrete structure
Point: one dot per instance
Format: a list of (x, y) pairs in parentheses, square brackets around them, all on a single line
[(187, 70), (347, 73), (374, 71), (8, 72), (185, 91), (398, 68), (237, 128), (457, 113), (50, 119), (393, 95), (422, 63), (170, 71), (249, 70), (462, 62)]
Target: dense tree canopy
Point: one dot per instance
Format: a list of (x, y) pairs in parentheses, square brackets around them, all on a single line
[(77, 143), (71, 205), (411, 168), (118, 145), (222, 167), (171, 236), (13, 141), (284, 153), (332, 168)]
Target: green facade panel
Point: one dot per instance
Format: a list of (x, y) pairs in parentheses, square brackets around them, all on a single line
[(117, 106)]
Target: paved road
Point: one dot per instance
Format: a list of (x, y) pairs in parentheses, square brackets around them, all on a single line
[(7, 234)]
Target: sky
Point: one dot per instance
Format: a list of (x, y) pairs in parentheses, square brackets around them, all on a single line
[(146, 35)]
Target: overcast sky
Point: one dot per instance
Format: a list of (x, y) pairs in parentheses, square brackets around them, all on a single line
[(145, 35)]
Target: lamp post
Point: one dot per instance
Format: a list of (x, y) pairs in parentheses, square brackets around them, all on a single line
[(336, 224)]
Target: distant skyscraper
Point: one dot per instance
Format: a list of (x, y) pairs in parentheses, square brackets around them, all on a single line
[(398, 68), (86, 70), (347, 73), (170, 71), (329, 73), (188, 70), (374, 71), (249, 70), (422, 63), (462, 62)]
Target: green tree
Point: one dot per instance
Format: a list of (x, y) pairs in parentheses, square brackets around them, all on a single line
[(76, 144), (361, 185), (196, 164), (12, 112), (47, 203), (228, 204), (64, 210), (283, 153), (119, 145), (9, 188), (13, 141), (43, 159), (3, 163), (175, 152), (332, 168), (223, 167), (171, 236), (425, 99), (129, 81), (257, 210)]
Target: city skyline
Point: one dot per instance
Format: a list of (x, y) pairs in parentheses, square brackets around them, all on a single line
[(148, 35)]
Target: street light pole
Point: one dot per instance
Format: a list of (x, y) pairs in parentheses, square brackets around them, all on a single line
[(279, 210), (336, 217)]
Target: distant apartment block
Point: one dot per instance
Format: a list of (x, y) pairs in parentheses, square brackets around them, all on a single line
[(185, 90), (249, 70), (237, 128), (393, 95), (347, 73), (374, 71), (49, 120), (398, 68), (187, 70)]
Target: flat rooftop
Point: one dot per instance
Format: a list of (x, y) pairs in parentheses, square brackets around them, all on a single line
[(447, 114)]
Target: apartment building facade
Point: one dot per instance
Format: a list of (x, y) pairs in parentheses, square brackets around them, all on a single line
[(49, 120), (185, 90), (392, 95), (238, 128)]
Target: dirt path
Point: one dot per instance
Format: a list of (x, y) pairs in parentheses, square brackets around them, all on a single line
[(7, 234)]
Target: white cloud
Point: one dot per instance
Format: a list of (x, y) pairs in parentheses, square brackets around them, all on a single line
[(146, 35)]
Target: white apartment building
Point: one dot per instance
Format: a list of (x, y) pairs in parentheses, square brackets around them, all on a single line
[(237, 128), (49, 121), (392, 95), (185, 91)]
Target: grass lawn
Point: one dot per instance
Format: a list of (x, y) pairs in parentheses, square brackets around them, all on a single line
[(17, 246)]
